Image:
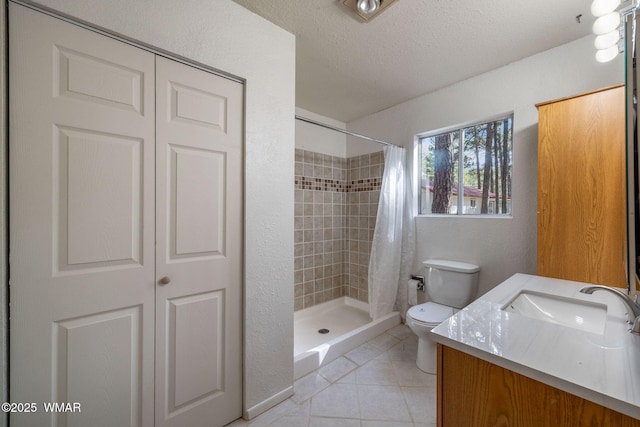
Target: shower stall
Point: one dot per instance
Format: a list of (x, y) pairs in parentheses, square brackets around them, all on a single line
[(336, 204)]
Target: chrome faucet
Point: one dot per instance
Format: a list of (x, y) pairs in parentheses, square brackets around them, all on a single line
[(633, 309)]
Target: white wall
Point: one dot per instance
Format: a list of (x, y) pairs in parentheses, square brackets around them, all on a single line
[(501, 247), (326, 141), (223, 35), (358, 146), (318, 139)]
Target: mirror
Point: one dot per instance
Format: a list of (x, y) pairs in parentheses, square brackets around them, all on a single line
[(633, 185)]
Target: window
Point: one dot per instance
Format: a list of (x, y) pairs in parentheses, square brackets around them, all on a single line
[(482, 174)]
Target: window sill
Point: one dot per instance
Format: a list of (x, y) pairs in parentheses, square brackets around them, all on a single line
[(478, 216)]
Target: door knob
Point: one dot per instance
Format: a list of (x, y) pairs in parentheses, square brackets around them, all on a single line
[(165, 280)]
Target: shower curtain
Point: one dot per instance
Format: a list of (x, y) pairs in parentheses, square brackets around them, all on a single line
[(393, 245)]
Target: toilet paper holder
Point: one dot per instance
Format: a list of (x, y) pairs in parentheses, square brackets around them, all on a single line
[(420, 280)]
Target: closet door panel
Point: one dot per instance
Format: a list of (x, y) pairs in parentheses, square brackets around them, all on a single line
[(99, 186), (196, 330), (199, 247), (82, 224), (201, 231)]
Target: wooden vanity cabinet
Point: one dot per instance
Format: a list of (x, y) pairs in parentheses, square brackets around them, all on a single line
[(476, 393), (581, 188)]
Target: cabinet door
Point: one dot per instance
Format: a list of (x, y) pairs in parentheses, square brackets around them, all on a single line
[(581, 189), (199, 247), (82, 224), (476, 393)]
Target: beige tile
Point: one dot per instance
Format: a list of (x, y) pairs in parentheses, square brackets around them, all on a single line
[(291, 421), (307, 156), (338, 400), (272, 414), (383, 403), (308, 386), (409, 375), (401, 331), (404, 351), (348, 379), (307, 301), (382, 356), (337, 369), (366, 423), (376, 372), (238, 423), (302, 409), (363, 354), (307, 170), (384, 341), (421, 402), (334, 422)]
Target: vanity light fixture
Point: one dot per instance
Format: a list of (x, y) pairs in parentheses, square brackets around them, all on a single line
[(367, 9), (609, 26)]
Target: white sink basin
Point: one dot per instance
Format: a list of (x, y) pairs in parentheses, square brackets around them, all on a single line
[(574, 313)]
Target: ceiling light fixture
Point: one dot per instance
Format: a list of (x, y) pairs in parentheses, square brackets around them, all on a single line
[(367, 9), (609, 26)]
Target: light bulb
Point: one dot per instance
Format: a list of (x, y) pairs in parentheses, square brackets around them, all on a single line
[(605, 41), (603, 7), (367, 7), (606, 55), (607, 23)]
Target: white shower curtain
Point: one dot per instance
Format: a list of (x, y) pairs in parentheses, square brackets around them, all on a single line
[(393, 244)]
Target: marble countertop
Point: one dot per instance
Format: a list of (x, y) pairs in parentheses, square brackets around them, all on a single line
[(603, 368)]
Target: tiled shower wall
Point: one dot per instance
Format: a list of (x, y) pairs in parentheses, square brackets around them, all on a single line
[(336, 202)]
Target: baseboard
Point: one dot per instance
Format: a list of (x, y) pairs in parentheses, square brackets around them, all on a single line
[(267, 404)]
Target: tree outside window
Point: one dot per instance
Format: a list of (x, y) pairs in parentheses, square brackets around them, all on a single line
[(467, 170)]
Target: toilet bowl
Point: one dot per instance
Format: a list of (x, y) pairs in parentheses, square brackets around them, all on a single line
[(451, 285), (421, 319)]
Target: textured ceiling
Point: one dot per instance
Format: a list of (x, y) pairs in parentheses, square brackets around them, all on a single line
[(347, 69)]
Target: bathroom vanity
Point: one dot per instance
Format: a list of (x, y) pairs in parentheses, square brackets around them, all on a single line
[(534, 351)]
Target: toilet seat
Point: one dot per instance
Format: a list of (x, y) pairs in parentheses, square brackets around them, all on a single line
[(430, 313)]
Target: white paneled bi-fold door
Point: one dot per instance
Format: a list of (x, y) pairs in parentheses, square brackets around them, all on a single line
[(125, 233), (199, 245)]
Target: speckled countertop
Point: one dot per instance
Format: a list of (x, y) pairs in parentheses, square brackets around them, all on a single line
[(603, 368)]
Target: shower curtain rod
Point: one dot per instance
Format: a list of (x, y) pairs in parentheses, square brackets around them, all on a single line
[(357, 135)]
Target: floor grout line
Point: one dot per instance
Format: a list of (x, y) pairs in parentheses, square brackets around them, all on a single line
[(405, 378)]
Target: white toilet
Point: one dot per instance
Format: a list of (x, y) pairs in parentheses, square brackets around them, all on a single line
[(451, 285)]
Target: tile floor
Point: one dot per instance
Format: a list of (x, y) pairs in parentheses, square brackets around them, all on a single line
[(375, 385)]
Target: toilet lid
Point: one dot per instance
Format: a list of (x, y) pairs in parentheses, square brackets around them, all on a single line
[(430, 312)]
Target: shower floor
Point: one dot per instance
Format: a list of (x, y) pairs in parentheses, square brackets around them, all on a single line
[(349, 326), (339, 316)]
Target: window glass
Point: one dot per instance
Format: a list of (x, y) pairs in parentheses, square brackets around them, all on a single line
[(467, 170)]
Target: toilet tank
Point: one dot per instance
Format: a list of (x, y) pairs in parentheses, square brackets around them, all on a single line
[(451, 283)]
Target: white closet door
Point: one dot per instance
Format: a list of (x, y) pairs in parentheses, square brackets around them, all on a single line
[(199, 247), (82, 224)]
